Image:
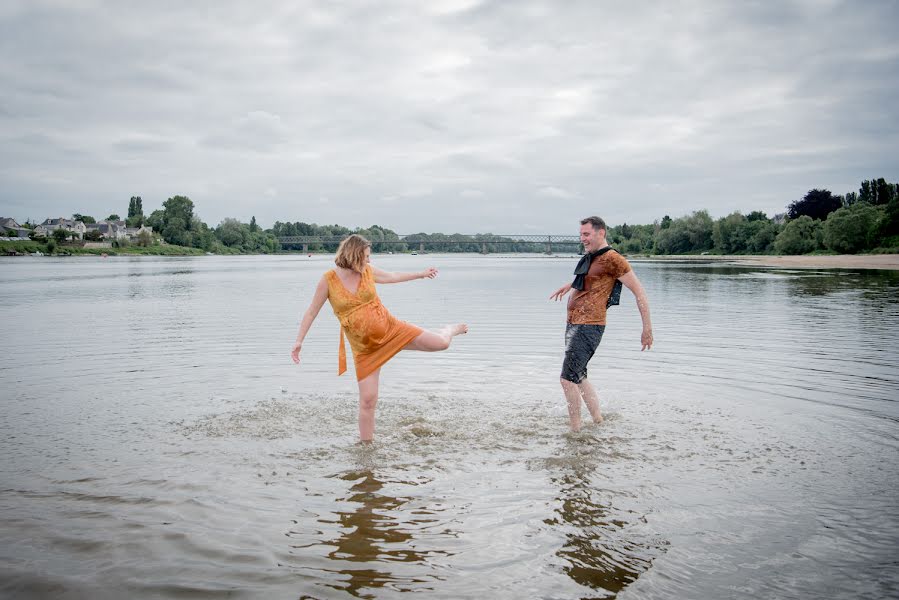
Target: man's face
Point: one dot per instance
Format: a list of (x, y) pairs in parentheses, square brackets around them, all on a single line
[(591, 238)]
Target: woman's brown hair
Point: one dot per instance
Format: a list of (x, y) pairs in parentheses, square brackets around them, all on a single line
[(351, 253)]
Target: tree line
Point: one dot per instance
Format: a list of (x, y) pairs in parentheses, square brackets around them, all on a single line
[(862, 221)]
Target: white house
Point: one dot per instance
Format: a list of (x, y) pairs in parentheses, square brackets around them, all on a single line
[(47, 228), (134, 232), (11, 228), (109, 230)]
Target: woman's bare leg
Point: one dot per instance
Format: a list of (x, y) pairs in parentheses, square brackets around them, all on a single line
[(368, 399), (433, 341)]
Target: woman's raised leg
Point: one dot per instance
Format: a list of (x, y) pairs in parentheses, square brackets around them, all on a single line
[(368, 400), (434, 341)]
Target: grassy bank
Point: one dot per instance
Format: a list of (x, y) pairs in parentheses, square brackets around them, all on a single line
[(30, 247)]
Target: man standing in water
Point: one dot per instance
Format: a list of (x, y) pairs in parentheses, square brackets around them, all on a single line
[(595, 278)]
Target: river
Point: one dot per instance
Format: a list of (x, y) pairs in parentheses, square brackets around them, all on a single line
[(157, 441)]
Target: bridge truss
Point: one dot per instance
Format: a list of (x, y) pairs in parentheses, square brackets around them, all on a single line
[(483, 243)]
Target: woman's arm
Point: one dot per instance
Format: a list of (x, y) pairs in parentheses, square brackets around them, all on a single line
[(318, 300), (387, 277)]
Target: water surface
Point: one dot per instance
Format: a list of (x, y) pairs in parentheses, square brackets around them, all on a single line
[(156, 440)]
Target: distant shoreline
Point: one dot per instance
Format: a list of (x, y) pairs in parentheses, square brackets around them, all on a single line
[(800, 261)]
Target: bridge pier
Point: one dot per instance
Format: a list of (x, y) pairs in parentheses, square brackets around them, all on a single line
[(305, 248), (421, 247), (549, 245), (483, 247)]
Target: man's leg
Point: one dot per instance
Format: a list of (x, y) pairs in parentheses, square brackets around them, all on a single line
[(591, 399), (573, 396), (581, 342)]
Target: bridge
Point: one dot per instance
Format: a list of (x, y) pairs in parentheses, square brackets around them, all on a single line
[(478, 242)]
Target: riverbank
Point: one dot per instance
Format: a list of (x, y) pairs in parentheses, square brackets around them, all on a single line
[(801, 261), (27, 248), (840, 261)]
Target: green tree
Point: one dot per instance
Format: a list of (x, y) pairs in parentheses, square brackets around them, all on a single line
[(144, 238), (179, 207), (175, 231), (113, 217), (202, 236), (799, 236), (253, 227), (672, 240), (729, 234), (178, 225), (232, 233), (51, 246), (816, 204), (60, 235), (87, 220), (876, 192), (762, 236), (698, 227), (889, 225), (156, 220), (851, 230), (135, 212)]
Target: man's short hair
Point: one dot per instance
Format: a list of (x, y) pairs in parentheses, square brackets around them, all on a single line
[(596, 222)]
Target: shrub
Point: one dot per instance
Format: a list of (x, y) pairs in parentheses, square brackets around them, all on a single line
[(799, 236), (853, 229)]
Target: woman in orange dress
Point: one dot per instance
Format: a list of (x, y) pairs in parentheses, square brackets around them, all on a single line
[(374, 334)]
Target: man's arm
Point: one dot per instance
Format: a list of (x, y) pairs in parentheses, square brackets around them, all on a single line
[(560, 293), (631, 282)]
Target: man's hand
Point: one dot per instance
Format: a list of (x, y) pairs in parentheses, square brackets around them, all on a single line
[(429, 273), (646, 340), (560, 293), (295, 352)]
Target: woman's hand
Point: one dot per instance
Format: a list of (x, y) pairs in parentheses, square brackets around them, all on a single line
[(295, 352), (429, 273)]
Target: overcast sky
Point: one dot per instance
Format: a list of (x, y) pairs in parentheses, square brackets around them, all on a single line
[(445, 115)]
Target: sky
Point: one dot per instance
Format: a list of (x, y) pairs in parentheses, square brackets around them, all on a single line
[(453, 116)]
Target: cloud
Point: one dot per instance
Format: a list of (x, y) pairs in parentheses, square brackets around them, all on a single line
[(257, 131), (555, 192), (394, 113)]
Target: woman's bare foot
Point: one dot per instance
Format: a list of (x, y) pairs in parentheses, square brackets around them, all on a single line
[(458, 329)]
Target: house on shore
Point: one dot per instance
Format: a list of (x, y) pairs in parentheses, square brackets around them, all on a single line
[(47, 228), (10, 228), (109, 230), (118, 230)]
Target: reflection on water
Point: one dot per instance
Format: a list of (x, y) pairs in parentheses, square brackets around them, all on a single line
[(604, 548), (158, 442), (373, 533)]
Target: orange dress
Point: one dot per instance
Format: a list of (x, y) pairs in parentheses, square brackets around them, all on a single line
[(375, 335)]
